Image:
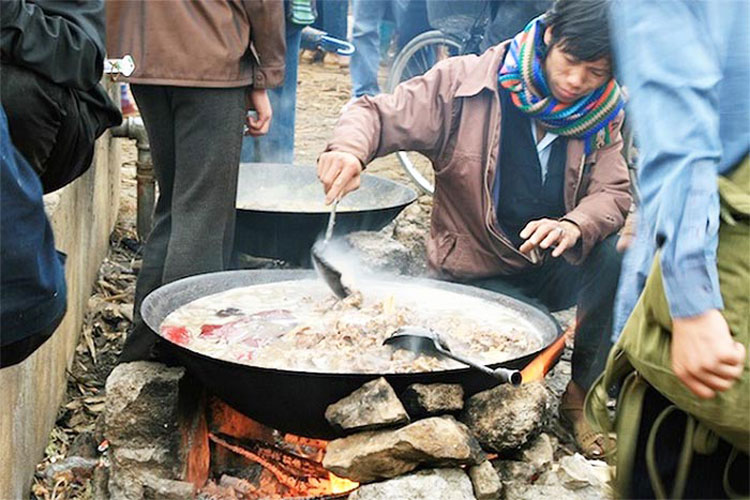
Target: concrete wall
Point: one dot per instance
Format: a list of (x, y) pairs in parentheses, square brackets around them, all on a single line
[(83, 216)]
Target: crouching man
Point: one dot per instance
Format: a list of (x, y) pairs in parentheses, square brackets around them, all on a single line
[(530, 183)]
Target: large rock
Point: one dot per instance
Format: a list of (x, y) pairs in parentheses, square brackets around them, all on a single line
[(373, 455), (372, 406), (156, 428), (433, 399), (540, 452), (512, 471), (486, 482), (576, 472), (572, 478), (431, 484), (505, 417)]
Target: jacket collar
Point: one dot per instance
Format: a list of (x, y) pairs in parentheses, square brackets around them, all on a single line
[(486, 75)]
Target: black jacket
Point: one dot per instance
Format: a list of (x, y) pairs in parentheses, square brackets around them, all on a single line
[(64, 41)]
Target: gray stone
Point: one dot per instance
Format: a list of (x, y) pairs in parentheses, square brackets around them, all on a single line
[(166, 489), (99, 483), (155, 424), (514, 471), (519, 491), (141, 405), (381, 252), (540, 452), (573, 477), (373, 455), (506, 417), (433, 399), (79, 467), (486, 482), (372, 406), (431, 484), (575, 472)]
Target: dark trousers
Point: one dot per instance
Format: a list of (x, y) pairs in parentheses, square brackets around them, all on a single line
[(47, 126), (705, 479), (333, 17), (558, 285), (196, 138)]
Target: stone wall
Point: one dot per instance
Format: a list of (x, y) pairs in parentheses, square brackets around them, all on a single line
[(83, 216)]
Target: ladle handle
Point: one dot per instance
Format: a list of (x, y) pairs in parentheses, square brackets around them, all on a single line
[(332, 219), (503, 375)]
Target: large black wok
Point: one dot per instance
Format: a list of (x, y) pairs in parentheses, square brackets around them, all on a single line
[(293, 401), (288, 230)]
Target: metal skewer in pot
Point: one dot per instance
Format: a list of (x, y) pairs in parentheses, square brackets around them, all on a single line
[(325, 269), (425, 341)]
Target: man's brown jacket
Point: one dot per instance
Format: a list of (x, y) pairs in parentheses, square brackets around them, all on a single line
[(200, 43), (452, 116)]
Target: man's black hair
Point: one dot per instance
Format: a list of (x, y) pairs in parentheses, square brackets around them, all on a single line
[(581, 28)]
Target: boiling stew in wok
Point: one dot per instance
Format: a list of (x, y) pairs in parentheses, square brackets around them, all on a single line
[(297, 325)]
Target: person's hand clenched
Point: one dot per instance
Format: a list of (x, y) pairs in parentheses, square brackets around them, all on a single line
[(705, 357), (257, 100), (339, 172)]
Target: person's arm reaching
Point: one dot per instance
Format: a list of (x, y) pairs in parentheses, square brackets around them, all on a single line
[(416, 117)]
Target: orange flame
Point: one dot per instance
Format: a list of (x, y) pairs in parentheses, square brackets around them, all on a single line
[(340, 484), (539, 366)]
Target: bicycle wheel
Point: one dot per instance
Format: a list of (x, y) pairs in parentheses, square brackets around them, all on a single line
[(418, 56)]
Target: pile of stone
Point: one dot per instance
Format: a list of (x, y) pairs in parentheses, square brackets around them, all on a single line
[(429, 443)]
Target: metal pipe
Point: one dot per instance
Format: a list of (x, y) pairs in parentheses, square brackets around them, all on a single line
[(133, 128)]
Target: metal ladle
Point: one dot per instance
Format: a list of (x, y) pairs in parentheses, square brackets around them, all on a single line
[(425, 341), (322, 265)]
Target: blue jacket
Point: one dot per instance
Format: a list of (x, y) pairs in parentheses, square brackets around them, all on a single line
[(686, 64), (32, 277)]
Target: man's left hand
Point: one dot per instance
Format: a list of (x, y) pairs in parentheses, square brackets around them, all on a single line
[(546, 233)]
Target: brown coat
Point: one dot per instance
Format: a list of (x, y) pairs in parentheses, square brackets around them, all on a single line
[(452, 116), (200, 43)]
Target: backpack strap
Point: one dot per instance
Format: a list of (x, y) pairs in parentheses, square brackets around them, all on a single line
[(628, 421), (683, 464)]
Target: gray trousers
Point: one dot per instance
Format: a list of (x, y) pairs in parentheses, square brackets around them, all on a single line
[(196, 139)]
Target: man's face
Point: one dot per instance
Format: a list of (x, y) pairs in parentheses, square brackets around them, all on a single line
[(569, 78)]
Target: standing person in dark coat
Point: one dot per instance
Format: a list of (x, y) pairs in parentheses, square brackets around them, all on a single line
[(194, 88), (52, 60)]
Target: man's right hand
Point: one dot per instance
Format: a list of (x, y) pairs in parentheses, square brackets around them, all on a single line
[(705, 357), (257, 100), (339, 172)]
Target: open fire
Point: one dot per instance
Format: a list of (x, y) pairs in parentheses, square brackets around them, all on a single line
[(543, 363), (290, 465)]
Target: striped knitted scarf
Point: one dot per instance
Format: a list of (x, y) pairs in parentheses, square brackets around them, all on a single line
[(522, 73)]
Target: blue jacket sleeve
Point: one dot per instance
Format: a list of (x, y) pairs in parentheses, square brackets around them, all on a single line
[(672, 73)]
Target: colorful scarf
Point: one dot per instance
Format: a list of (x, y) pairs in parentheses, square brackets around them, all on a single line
[(522, 73)]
